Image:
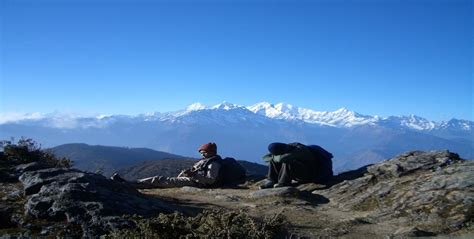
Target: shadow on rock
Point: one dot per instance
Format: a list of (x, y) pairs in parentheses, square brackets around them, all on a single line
[(314, 199), (349, 175)]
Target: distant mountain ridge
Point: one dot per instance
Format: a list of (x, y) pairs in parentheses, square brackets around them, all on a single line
[(172, 167), (342, 118), (245, 132), (134, 163), (108, 159)]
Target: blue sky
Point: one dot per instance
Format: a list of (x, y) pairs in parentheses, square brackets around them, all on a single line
[(374, 57)]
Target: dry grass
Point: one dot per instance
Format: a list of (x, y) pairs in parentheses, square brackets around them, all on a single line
[(208, 224)]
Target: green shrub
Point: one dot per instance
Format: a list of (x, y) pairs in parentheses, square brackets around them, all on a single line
[(26, 150), (208, 224)]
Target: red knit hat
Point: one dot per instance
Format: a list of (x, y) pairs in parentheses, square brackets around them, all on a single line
[(209, 147)]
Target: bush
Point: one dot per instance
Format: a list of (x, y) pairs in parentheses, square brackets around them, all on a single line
[(26, 150), (208, 224)]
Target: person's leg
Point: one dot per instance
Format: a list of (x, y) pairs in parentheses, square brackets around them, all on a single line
[(272, 175), (301, 172), (273, 171), (284, 176), (167, 182)]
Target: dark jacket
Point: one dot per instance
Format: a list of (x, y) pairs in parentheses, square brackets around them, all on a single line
[(206, 171), (306, 165), (298, 152)]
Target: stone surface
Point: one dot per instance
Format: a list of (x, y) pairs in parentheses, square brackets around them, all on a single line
[(188, 189), (411, 162), (90, 200), (433, 190), (414, 194), (33, 166), (269, 192)]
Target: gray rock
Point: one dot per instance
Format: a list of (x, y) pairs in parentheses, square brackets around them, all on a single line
[(413, 161), (22, 168), (412, 232), (433, 190), (229, 198), (188, 189), (34, 180), (283, 191), (14, 195), (90, 200), (311, 187)]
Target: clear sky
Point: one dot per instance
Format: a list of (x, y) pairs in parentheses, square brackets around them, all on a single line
[(392, 57)]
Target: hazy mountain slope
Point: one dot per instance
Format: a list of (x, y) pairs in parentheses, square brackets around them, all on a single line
[(245, 132), (134, 163), (164, 167), (172, 167), (106, 158)]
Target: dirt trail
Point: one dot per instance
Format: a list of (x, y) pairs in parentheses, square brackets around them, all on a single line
[(309, 215)]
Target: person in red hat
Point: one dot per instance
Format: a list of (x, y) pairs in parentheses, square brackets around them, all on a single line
[(204, 173)]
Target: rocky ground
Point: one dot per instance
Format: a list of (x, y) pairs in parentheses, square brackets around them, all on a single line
[(417, 194)]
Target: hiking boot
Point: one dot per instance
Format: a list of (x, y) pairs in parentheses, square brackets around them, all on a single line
[(279, 185), (267, 184), (116, 177)]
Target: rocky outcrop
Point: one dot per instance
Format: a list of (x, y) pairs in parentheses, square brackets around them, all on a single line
[(10, 172), (413, 194), (87, 199), (432, 192)]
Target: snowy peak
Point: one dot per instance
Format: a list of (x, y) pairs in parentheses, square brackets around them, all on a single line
[(225, 106), (339, 118), (419, 123), (343, 112), (278, 111), (222, 106), (286, 108), (195, 107), (411, 122), (456, 124), (225, 112), (262, 108), (220, 114)]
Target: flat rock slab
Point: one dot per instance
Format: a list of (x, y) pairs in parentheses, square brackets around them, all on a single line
[(188, 189), (87, 199), (269, 192), (311, 187), (433, 190)]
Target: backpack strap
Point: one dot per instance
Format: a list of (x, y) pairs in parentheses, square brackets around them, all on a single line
[(215, 158)]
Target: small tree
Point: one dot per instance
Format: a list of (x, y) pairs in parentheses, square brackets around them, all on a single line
[(26, 150)]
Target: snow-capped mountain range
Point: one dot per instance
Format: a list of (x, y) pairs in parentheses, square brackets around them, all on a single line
[(341, 118), (244, 132)]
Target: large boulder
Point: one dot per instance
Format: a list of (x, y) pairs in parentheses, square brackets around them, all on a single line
[(432, 191), (10, 171), (87, 199)]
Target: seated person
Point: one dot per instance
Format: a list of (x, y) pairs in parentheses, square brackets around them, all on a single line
[(296, 162), (204, 173)]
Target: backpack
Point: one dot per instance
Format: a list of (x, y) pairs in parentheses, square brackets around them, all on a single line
[(319, 151), (323, 162), (231, 172)]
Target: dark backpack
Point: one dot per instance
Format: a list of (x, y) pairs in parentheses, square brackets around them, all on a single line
[(323, 163), (231, 172)]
